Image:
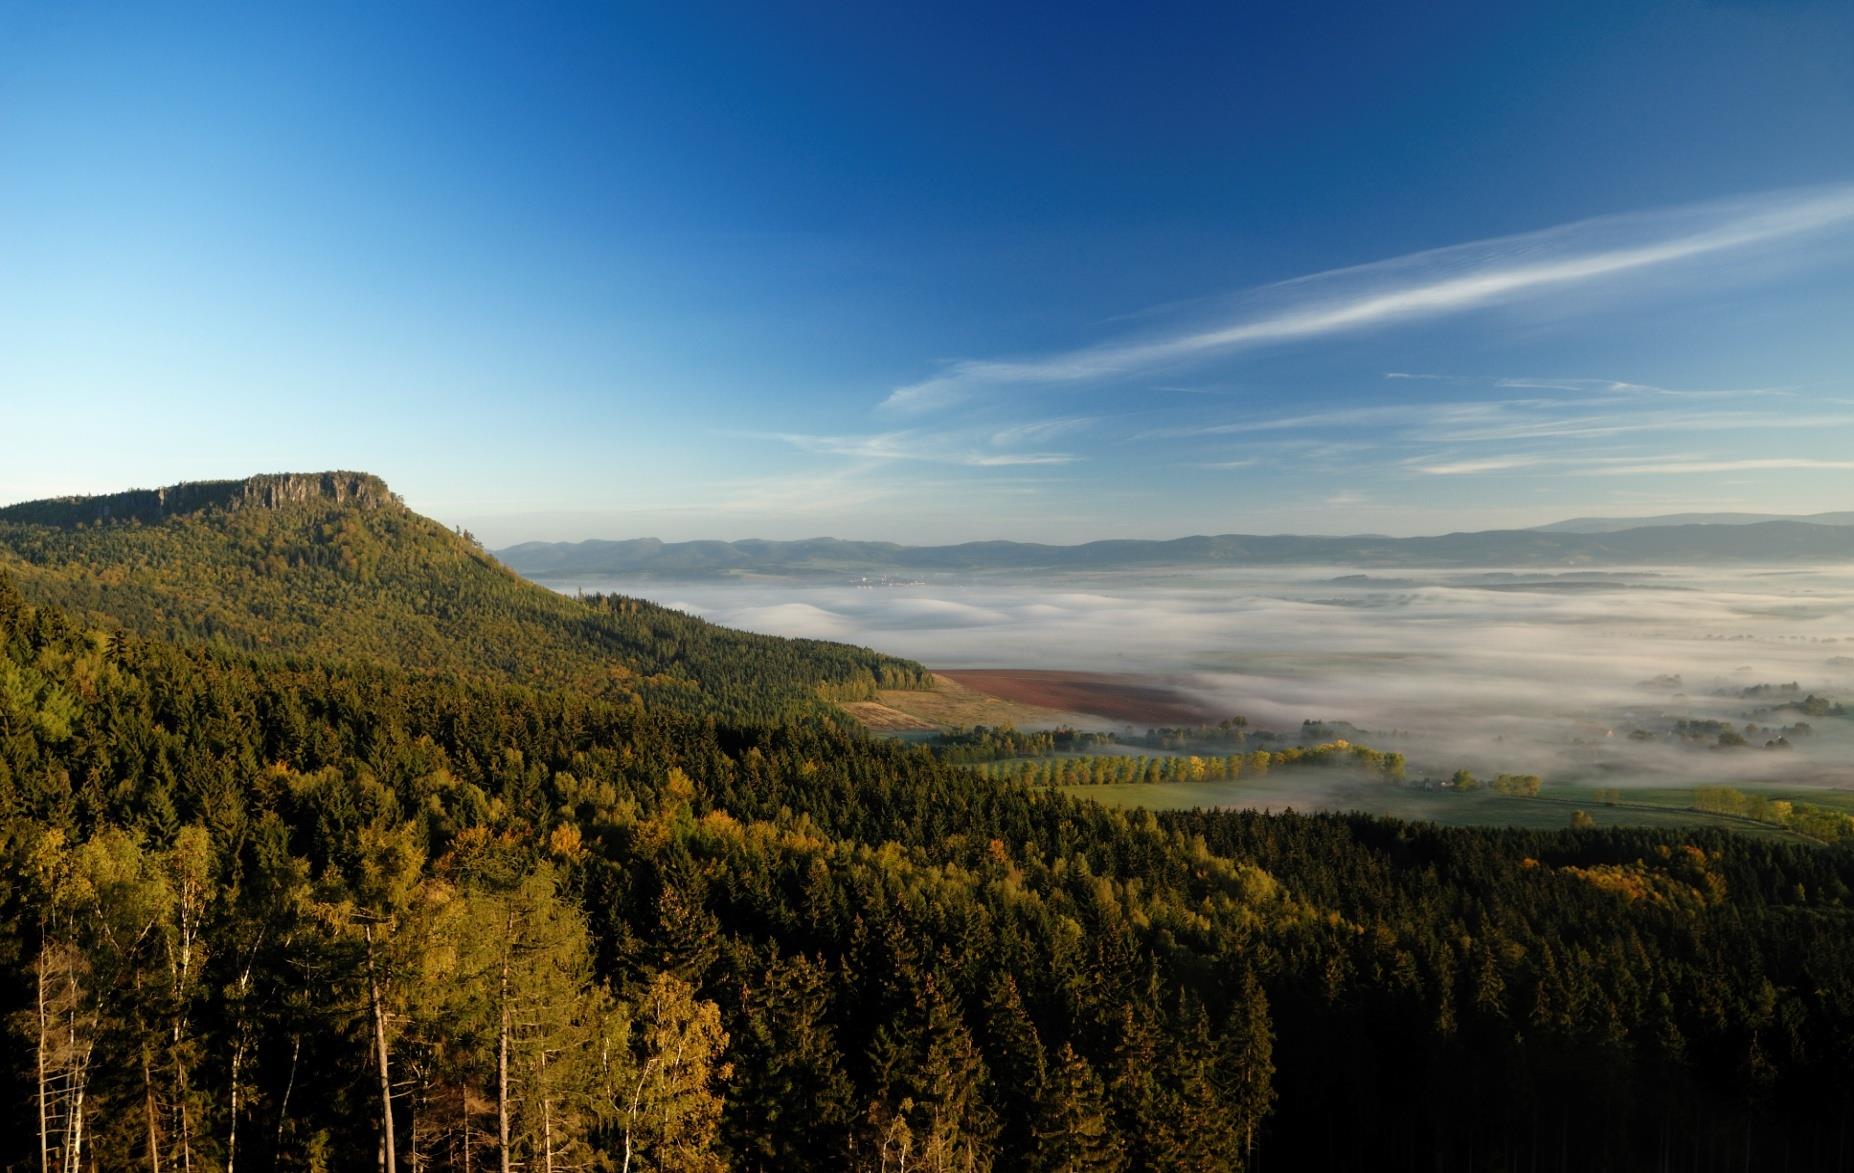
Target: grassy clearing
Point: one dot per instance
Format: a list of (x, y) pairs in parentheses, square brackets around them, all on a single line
[(950, 706), (880, 718)]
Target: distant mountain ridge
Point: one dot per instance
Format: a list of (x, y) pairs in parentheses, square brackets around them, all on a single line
[(1605, 525), (1760, 541)]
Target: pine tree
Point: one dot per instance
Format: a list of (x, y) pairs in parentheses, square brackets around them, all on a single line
[(956, 1128), (1249, 1062), (1200, 1129), (1074, 1132), (1135, 1092), (791, 1098), (1017, 1062)]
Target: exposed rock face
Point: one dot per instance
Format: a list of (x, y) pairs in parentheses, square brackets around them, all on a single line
[(271, 491)]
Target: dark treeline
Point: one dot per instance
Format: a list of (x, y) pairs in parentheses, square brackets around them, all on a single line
[(1129, 769), (999, 743), (271, 912), (983, 743), (1225, 735)]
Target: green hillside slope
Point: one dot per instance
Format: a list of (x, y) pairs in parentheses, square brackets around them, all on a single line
[(335, 565)]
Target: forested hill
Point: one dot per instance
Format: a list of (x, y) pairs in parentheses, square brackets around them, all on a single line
[(258, 914), (1769, 541), (334, 565)]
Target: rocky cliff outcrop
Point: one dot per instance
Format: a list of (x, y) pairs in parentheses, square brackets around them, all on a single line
[(271, 491)]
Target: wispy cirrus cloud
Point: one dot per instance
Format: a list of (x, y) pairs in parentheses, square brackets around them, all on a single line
[(1515, 420), (1677, 467), (1584, 427), (1446, 467), (1345, 417), (910, 446), (1568, 427), (1622, 466), (1609, 387), (1007, 459), (1039, 430), (1484, 464), (1421, 286)]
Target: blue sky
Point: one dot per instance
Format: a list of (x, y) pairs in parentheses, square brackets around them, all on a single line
[(939, 272)]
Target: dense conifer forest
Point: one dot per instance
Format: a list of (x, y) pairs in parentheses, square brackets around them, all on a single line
[(312, 872)]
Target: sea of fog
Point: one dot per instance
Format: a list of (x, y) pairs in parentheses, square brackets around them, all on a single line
[(1501, 671)]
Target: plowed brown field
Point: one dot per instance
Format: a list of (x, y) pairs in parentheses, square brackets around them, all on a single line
[(1133, 699)]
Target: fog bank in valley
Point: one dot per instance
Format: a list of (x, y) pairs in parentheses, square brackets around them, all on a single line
[(1520, 671)]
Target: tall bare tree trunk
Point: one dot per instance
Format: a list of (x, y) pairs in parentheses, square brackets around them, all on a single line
[(502, 1095), (74, 1134), (630, 1120), (231, 1131), (182, 980), (415, 1156), (389, 1157), (501, 1079), (154, 1113), (547, 1121), (238, 1056), (186, 1127), (501, 1053), (73, 1131), (44, 1091), (463, 1114), (283, 1105)]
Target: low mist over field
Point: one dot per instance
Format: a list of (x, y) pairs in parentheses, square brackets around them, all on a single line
[(1518, 670)]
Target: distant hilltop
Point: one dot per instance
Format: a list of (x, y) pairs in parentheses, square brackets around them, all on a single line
[(1654, 542), (269, 491), (1610, 525)]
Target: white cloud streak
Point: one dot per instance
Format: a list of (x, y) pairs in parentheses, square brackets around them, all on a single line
[(1512, 420), (1595, 426), (1676, 467), (1041, 430), (1621, 388), (1486, 464), (1426, 285), (1622, 466), (889, 446)]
